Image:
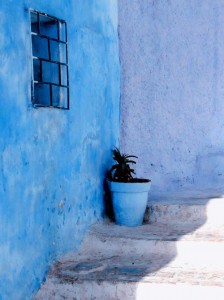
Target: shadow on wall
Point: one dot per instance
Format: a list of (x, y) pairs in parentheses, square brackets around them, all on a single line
[(108, 202)]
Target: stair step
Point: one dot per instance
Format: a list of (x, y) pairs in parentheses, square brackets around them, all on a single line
[(133, 269), (93, 290), (178, 254), (174, 209), (118, 290), (198, 247), (113, 278), (117, 262)]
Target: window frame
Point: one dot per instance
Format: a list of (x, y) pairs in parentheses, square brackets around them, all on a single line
[(60, 64)]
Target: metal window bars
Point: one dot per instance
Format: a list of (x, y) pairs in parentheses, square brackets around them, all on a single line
[(50, 82)]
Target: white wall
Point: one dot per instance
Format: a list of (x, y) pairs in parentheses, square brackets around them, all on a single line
[(172, 111)]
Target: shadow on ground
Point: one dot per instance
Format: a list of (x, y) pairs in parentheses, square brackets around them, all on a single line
[(115, 261)]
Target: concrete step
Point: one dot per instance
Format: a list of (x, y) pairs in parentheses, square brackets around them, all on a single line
[(184, 209), (93, 290), (178, 254), (186, 244), (130, 280), (147, 262)]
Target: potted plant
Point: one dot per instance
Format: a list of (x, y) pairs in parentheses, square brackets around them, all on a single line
[(129, 195)]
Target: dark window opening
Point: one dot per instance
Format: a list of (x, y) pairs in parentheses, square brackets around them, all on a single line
[(50, 84)]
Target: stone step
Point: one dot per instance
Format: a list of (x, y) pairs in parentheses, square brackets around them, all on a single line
[(177, 254), (145, 262), (183, 209), (112, 278), (121, 290), (195, 245)]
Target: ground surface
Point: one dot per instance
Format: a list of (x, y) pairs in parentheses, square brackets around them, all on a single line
[(181, 258)]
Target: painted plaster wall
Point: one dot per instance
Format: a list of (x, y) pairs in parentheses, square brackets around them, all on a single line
[(172, 91), (52, 162)]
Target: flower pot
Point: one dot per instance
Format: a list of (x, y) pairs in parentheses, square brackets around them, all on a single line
[(129, 201)]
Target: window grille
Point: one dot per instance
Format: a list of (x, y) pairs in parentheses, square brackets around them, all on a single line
[(50, 82)]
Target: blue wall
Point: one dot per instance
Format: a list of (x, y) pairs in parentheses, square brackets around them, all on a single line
[(53, 161), (172, 57)]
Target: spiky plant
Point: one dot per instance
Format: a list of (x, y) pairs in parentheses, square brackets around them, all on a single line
[(121, 171)]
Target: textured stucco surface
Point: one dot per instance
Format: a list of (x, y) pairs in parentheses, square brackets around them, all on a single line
[(172, 108), (52, 162)]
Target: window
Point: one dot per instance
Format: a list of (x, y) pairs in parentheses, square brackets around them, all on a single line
[(50, 84)]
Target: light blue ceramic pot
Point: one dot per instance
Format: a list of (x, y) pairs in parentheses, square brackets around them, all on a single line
[(129, 201)]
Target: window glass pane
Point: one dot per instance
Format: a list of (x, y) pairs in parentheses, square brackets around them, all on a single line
[(64, 80), (50, 72), (40, 47), (58, 52), (60, 96), (41, 94), (36, 70), (48, 26), (62, 31), (34, 22)]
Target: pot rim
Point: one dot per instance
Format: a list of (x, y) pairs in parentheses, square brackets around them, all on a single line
[(135, 180), (129, 187)]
